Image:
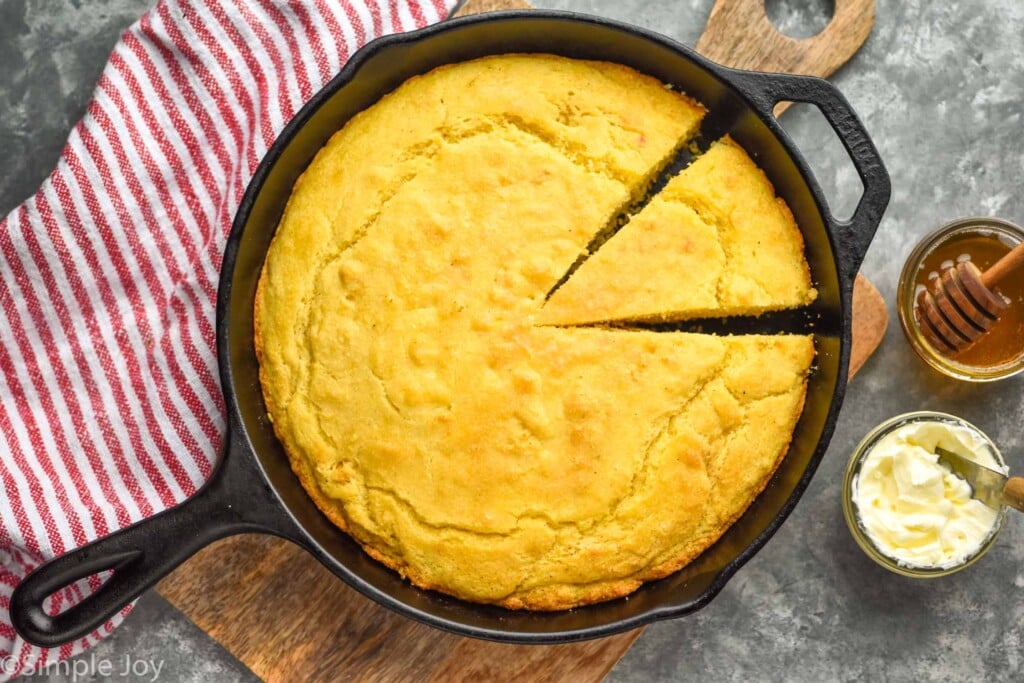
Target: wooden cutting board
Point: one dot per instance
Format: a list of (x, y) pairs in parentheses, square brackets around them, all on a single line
[(289, 619)]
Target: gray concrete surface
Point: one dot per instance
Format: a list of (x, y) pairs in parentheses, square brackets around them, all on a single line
[(941, 88)]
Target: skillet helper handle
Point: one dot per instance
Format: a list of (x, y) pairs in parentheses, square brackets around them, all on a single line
[(142, 554), (765, 90)]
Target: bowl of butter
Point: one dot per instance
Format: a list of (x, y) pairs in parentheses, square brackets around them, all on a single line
[(910, 513)]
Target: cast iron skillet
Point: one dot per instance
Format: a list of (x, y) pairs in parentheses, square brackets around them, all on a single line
[(253, 488)]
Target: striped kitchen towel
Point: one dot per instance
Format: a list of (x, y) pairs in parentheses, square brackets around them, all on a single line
[(110, 406)]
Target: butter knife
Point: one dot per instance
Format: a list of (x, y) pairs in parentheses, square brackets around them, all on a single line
[(991, 487)]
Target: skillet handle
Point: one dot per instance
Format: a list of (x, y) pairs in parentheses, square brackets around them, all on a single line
[(765, 90), (235, 500)]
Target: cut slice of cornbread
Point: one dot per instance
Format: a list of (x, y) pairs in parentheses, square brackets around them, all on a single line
[(715, 242)]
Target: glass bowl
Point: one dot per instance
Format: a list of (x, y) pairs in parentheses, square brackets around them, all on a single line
[(860, 534)]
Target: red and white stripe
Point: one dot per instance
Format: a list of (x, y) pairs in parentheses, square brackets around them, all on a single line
[(110, 406)]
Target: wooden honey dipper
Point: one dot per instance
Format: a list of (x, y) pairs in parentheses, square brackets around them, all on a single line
[(962, 306)]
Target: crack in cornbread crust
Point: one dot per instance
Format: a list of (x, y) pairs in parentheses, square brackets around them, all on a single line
[(355, 487), (716, 241)]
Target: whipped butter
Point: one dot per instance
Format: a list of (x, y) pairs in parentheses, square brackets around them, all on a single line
[(914, 509)]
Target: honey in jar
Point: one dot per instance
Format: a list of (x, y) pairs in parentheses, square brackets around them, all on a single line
[(1000, 351), (1005, 339)]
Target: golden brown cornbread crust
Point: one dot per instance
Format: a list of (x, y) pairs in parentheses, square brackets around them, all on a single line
[(552, 598), (421, 406)]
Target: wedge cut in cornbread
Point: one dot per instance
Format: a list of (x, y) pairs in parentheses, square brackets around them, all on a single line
[(716, 242)]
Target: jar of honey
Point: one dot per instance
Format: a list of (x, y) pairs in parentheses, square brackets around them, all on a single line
[(997, 354)]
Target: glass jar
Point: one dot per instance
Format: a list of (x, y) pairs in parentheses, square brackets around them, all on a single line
[(861, 535), (908, 287)]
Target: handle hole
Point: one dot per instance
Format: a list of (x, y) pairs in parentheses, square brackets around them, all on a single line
[(800, 18), (63, 599), (825, 154)]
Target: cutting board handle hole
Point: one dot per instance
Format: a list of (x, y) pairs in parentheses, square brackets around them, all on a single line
[(800, 18)]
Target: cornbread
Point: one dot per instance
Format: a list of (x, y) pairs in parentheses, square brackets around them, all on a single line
[(423, 404), (716, 241)]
